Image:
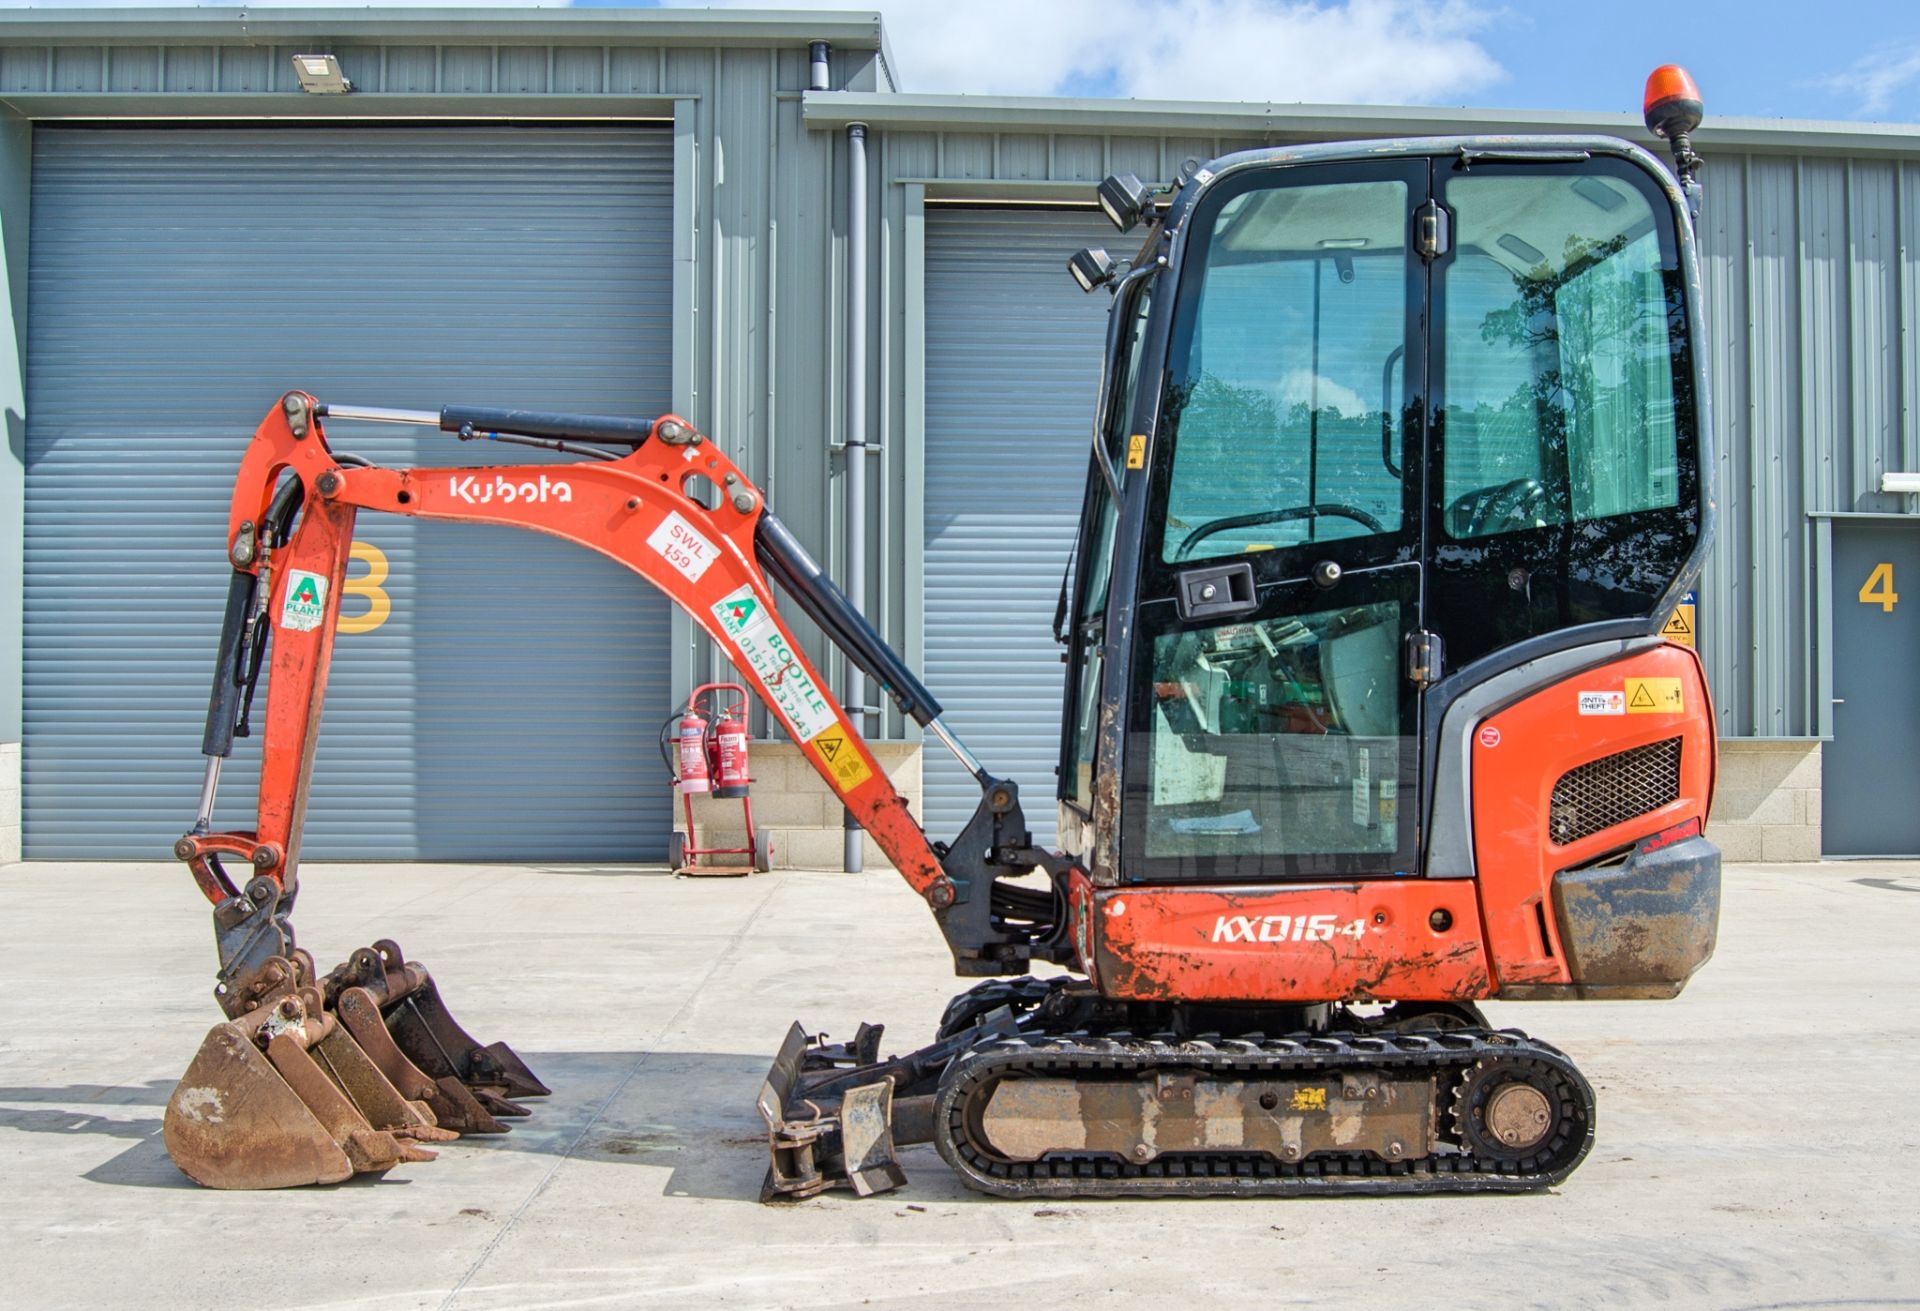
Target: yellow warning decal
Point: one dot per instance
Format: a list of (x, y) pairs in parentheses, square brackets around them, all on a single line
[(1309, 1099), (1137, 451), (1680, 627), (1655, 696), (842, 757)]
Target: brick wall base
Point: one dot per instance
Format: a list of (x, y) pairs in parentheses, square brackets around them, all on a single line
[(1767, 804), (798, 811)]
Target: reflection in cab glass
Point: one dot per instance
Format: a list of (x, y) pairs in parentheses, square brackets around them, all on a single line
[(1290, 371), (1567, 488), (1559, 376)]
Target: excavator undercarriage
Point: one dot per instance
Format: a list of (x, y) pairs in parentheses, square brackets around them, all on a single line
[(1041, 1088)]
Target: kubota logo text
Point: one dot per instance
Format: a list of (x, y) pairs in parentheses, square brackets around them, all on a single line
[(477, 491), (1284, 928)]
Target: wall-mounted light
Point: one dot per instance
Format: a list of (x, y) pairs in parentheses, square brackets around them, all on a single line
[(1901, 484), (321, 75)]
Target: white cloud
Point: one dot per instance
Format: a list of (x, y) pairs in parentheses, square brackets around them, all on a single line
[(1316, 51), (1302, 387), (1327, 51), (1875, 80)]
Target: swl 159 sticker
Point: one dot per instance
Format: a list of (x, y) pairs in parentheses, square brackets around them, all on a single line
[(683, 547)]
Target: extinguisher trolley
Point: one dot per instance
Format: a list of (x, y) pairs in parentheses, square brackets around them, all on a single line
[(709, 758)]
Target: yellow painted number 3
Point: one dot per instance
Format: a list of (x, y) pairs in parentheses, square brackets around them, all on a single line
[(1878, 589), (368, 585)]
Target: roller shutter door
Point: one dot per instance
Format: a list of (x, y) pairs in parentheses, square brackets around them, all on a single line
[(1013, 362), (180, 281)]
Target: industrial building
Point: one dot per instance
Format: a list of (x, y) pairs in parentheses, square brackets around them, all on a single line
[(628, 212)]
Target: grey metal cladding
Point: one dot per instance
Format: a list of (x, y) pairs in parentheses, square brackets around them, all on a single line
[(181, 279), (1808, 265), (1013, 359)]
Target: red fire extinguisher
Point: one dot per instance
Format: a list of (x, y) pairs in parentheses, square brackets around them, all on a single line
[(695, 777), (709, 757), (730, 776)]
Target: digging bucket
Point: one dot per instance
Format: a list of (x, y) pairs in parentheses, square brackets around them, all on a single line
[(282, 1096)]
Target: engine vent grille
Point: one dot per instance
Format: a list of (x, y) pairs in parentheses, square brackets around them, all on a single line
[(1613, 790)]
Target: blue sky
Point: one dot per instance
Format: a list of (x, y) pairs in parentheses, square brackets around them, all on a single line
[(1850, 59), (1846, 59)]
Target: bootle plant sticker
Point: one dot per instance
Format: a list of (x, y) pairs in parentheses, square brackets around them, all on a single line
[(774, 664), (306, 603)]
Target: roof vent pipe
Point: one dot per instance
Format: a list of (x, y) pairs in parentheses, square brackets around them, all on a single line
[(855, 585), (817, 78)]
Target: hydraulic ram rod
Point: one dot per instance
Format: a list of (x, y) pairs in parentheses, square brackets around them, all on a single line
[(481, 420)]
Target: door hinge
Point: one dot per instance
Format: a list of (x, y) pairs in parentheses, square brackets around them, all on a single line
[(1425, 652), (1432, 230)]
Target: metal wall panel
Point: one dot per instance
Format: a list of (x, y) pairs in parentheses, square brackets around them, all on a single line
[(1013, 362), (180, 281), (1812, 316)]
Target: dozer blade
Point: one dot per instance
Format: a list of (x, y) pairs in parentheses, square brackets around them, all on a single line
[(256, 1109), (428, 1036), (815, 1144)]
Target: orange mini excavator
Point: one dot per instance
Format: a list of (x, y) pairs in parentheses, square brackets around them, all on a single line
[(1400, 463)]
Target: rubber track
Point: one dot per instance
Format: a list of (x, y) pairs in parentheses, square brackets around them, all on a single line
[(1242, 1174)]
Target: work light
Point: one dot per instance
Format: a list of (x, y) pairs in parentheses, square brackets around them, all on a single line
[(1123, 198), (1091, 268)]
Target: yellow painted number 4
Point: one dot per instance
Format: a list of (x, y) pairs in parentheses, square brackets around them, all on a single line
[(1878, 589), (367, 585)]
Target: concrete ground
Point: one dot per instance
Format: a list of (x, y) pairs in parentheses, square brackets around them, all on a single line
[(1756, 1148)]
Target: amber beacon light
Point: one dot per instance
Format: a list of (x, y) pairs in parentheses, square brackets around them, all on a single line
[(1673, 110), (1672, 103)]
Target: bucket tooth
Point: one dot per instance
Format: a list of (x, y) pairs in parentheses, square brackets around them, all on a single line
[(497, 1104), (265, 1104), (497, 1061)]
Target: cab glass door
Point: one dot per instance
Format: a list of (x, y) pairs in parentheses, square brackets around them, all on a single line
[(1272, 730)]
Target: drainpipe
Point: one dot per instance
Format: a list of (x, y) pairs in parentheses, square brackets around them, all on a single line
[(855, 694), (817, 66)]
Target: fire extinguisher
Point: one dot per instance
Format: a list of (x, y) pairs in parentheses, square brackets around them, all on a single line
[(730, 753), (691, 733)]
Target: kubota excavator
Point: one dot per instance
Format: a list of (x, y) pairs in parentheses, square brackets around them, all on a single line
[(1400, 462)]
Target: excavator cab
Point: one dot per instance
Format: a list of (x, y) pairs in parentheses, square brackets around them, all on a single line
[(1382, 422)]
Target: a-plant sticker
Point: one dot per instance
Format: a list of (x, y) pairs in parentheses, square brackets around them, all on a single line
[(306, 603), (737, 612)]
